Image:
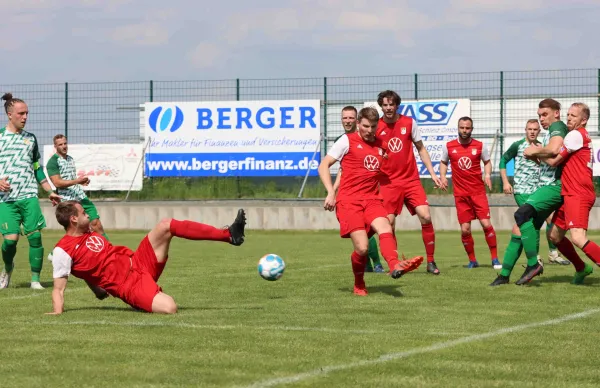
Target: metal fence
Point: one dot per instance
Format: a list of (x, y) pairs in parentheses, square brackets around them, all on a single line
[(109, 112)]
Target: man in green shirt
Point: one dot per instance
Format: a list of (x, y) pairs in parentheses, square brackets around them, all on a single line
[(349, 115), (63, 174), (20, 173), (547, 197), (526, 181)]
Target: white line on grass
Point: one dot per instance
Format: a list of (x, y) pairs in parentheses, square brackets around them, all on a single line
[(208, 327), (427, 349)]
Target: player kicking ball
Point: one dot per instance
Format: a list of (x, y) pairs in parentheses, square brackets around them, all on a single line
[(358, 203), (577, 158), (117, 270)]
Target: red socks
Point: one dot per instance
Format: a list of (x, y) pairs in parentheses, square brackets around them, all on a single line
[(389, 249), (490, 238), (592, 250), (565, 246), (358, 267), (191, 230), (429, 240), (469, 245)]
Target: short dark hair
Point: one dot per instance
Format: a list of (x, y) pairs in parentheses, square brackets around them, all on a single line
[(369, 113), (10, 101), (466, 118), (350, 107), (64, 211), (389, 94), (59, 136), (549, 103)]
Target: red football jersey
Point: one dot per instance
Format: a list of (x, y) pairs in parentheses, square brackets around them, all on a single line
[(361, 167), (400, 166), (93, 258), (465, 161), (577, 175)]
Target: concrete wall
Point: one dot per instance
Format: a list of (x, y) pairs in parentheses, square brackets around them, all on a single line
[(273, 215)]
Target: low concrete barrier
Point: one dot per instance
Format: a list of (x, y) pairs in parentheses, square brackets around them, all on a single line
[(281, 215)]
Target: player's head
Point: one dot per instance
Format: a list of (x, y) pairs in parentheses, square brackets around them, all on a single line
[(60, 143), (389, 101), (16, 110), (465, 127), (349, 114), (548, 112), (71, 216), (578, 116), (532, 129), (367, 123)]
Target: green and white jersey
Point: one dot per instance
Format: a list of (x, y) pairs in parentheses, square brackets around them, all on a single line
[(527, 171), (551, 175), (65, 167), (19, 158)]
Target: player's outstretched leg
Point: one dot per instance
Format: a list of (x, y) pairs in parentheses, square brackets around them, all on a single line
[(191, 230), (389, 250)]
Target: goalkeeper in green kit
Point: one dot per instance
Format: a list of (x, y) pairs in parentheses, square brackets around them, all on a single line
[(20, 173)]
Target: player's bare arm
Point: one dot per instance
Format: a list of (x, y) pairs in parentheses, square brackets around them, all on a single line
[(4, 185), (555, 161), (338, 180), (98, 291), (58, 296), (506, 186), (487, 173), (325, 176), (443, 171), (60, 183), (426, 159), (549, 151)]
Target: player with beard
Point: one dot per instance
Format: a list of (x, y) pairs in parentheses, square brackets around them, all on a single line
[(465, 155)]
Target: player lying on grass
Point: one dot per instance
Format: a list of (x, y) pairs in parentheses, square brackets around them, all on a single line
[(117, 270), (358, 204)]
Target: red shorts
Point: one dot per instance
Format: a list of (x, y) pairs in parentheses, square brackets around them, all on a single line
[(358, 215), (469, 208), (410, 194), (140, 288), (573, 213)]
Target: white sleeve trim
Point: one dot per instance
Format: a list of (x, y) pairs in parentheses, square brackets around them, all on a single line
[(339, 148), (573, 141), (444, 157), (485, 153), (416, 133), (61, 263)]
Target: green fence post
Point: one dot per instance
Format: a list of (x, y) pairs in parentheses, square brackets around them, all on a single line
[(66, 109), (416, 86), (237, 89), (151, 91), (237, 98), (501, 113), (324, 151)]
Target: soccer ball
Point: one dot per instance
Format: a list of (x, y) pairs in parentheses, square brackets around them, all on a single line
[(271, 267)]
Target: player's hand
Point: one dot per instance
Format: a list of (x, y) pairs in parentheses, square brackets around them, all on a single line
[(329, 202), (436, 181), (54, 198), (84, 180), (488, 181), (528, 152), (4, 185), (444, 183), (508, 189)]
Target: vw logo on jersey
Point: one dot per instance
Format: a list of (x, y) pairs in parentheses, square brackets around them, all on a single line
[(395, 145), (94, 244), (464, 163), (166, 118), (371, 163)]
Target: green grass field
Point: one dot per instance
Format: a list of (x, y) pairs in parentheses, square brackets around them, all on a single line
[(235, 329)]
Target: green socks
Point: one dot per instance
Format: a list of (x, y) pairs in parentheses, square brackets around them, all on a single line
[(9, 250), (36, 254), (530, 237), (374, 251), (513, 251)]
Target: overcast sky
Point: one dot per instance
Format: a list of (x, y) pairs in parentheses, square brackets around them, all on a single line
[(119, 40)]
